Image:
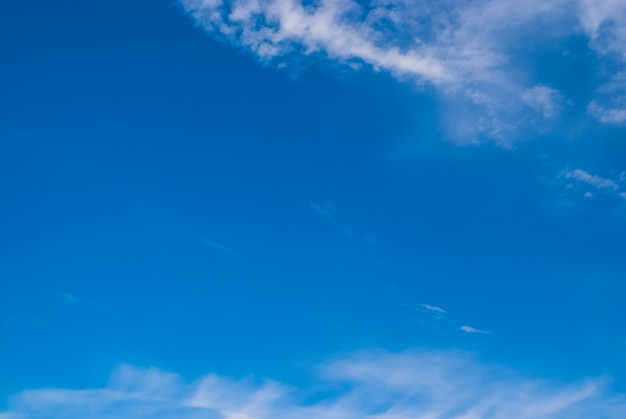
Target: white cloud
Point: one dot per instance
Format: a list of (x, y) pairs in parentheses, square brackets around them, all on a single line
[(470, 329), (366, 385), (277, 27), (433, 308), (428, 311), (543, 99), (593, 180), (469, 51), (608, 116), (605, 23)]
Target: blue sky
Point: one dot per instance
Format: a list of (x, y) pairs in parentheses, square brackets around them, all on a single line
[(328, 209)]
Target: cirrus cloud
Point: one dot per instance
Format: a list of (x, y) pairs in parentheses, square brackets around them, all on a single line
[(593, 180), (469, 52), (364, 385)]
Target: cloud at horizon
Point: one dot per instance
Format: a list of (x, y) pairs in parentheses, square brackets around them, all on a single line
[(370, 384)]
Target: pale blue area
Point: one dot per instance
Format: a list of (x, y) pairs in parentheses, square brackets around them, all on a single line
[(167, 200)]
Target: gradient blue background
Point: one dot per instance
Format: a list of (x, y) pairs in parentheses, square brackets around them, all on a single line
[(130, 141)]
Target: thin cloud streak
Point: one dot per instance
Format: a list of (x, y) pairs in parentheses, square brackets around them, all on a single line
[(433, 308), (364, 385), (217, 246), (470, 329), (328, 211), (593, 180), (602, 186), (426, 308), (437, 316)]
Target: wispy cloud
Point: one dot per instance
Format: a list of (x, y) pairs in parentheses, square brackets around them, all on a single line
[(368, 385), (329, 212), (543, 99), (602, 186), (593, 180), (326, 209), (467, 51), (427, 309), (71, 299), (607, 115), (604, 21), (438, 316), (433, 308), (217, 246), (470, 329)]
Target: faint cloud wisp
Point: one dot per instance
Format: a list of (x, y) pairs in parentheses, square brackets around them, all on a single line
[(434, 315), (217, 246), (329, 212), (470, 329), (593, 180), (601, 185)]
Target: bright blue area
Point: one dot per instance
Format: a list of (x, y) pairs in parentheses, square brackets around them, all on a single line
[(158, 207)]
